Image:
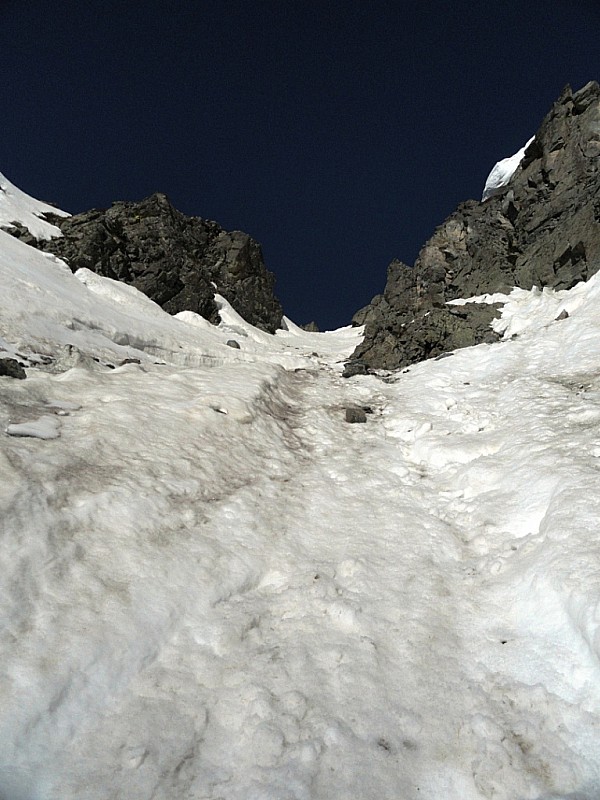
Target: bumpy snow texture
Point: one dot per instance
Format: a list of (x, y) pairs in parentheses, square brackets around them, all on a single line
[(212, 586)]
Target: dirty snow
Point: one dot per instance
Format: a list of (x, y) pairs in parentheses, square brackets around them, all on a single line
[(214, 587)]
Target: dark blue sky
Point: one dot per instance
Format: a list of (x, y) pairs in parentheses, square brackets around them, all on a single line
[(339, 134)]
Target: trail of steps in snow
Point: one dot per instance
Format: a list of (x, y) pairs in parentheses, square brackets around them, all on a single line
[(283, 605), (389, 595), (214, 587), (325, 562)]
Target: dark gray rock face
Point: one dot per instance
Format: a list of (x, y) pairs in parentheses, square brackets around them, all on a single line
[(10, 368), (178, 261), (542, 229), (355, 414)]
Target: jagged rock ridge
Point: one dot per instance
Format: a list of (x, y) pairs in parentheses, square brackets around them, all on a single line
[(178, 261), (542, 229)]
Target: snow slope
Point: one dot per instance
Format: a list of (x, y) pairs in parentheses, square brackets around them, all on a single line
[(214, 587), (16, 206)]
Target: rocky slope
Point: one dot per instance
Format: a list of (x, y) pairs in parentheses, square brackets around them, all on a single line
[(178, 261), (542, 229)]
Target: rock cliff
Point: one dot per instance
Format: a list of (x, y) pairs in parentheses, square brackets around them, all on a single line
[(178, 261), (542, 229)]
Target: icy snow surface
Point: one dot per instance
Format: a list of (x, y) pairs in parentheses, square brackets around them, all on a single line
[(16, 206), (46, 427), (502, 172), (214, 588)]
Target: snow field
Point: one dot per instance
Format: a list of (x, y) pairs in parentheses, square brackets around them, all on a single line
[(215, 588)]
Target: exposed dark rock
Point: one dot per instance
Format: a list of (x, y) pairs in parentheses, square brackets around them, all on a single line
[(543, 229), (19, 231), (178, 261), (310, 327), (354, 368), (10, 368), (233, 343), (564, 314), (355, 414)]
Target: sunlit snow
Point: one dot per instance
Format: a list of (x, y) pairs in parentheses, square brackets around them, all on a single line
[(16, 206), (502, 172), (213, 587)]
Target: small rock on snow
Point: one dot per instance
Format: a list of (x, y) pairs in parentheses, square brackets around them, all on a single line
[(355, 414)]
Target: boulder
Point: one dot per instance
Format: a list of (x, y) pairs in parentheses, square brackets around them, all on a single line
[(355, 414), (178, 261), (10, 368)]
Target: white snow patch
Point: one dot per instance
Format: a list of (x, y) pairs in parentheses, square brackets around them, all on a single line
[(534, 308), (16, 206), (488, 298), (537, 308), (502, 172), (45, 427)]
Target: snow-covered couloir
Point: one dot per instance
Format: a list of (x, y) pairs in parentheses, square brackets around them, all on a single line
[(214, 587)]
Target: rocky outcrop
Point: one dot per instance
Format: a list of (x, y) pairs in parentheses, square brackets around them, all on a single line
[(542, 229), (178, 261), (10, 368)]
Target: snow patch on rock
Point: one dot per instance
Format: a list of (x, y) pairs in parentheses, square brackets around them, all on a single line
[(502, 172)]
